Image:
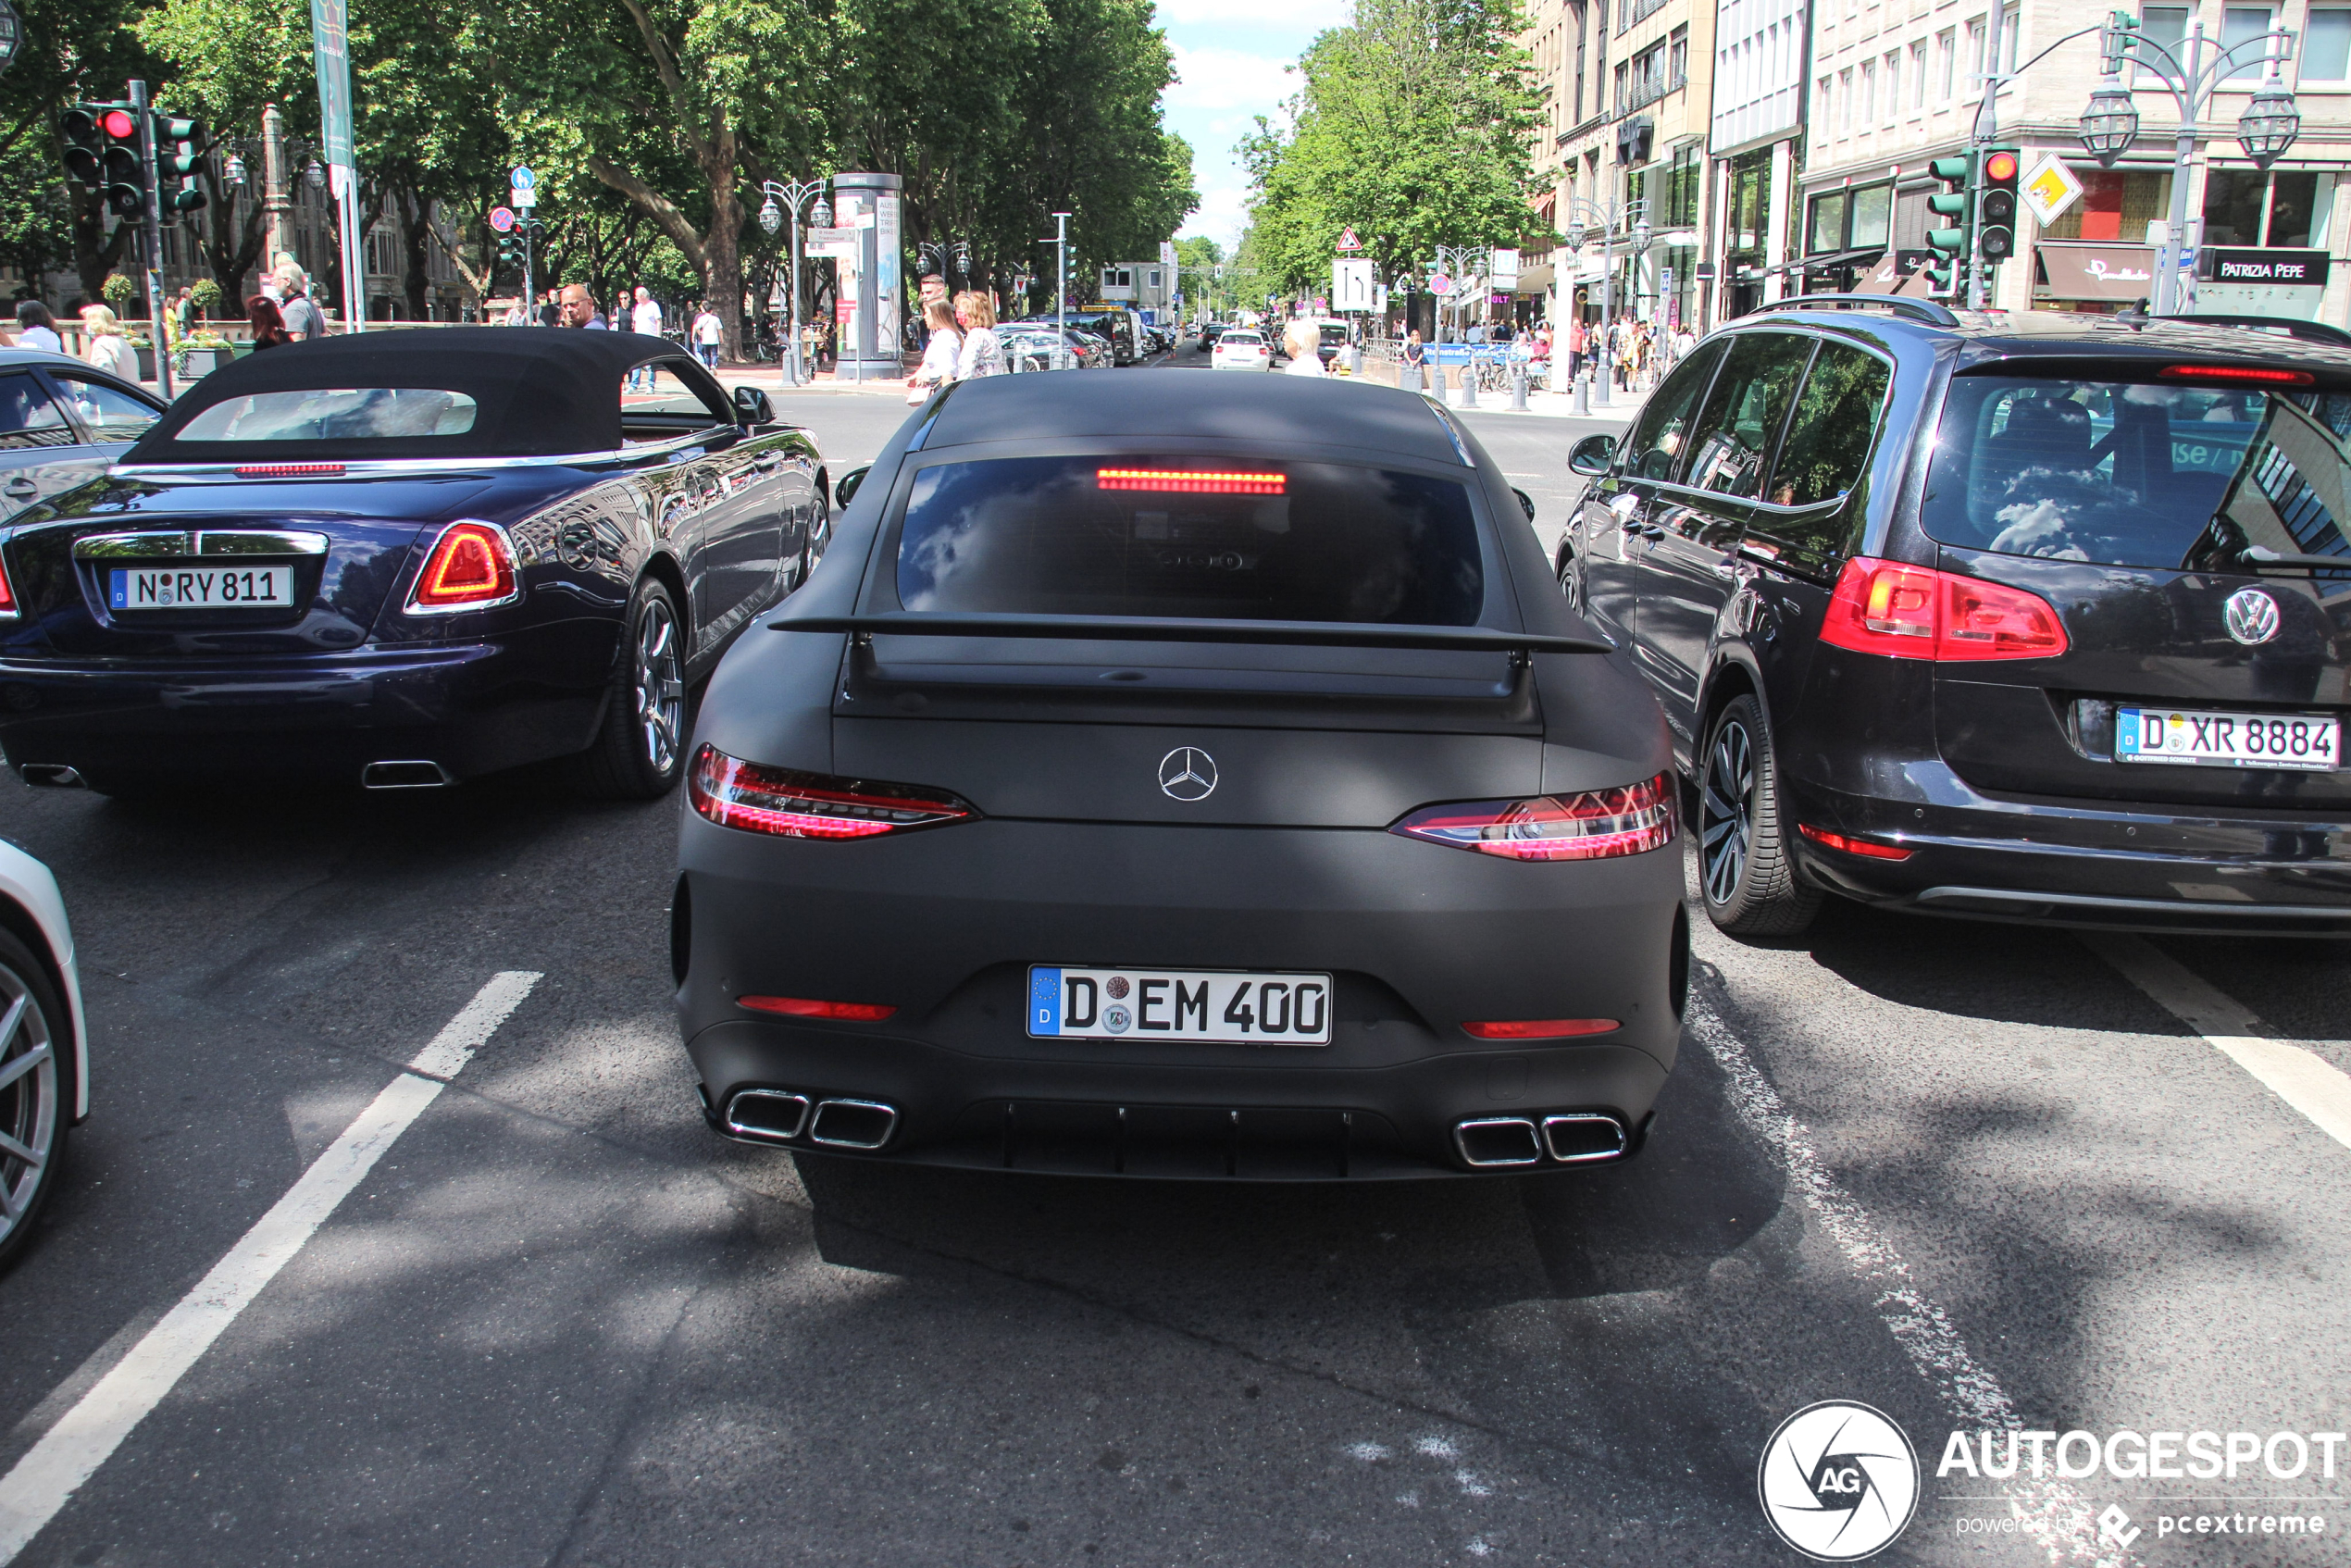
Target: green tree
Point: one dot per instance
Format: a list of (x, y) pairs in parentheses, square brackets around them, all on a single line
[(73, 51), (1412, 126)]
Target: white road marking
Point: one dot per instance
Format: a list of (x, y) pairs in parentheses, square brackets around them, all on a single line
[(71, 1451), (2053, 1514), (2302, 1078)]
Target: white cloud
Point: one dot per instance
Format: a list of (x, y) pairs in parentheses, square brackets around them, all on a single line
[(1303, 16), (1214, 80)]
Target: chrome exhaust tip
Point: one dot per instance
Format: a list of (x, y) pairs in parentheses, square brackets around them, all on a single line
[(404, 775), (1584, 1138), (853, 1123), (767, 1115), (52, 775), (1487, 1142)]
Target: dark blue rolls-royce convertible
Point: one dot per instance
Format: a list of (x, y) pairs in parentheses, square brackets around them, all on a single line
[(402, 559)]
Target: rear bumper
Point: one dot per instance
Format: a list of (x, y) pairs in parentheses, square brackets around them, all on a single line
[(2084, 863), (474, 708), (943, 925)]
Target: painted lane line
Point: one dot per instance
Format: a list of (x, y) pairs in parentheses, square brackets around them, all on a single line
[(2053, 1514), (2302, 1078), (71, 1451)]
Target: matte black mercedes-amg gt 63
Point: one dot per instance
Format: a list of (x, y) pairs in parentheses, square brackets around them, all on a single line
[(1181, 779)]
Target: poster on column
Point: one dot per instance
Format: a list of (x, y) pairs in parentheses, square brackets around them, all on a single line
[(886, 261)]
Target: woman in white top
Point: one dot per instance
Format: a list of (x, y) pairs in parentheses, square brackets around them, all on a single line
[(941, 355), (1303, 340), (109, 350), (982, 353)]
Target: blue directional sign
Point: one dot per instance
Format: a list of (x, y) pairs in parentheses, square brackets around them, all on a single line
[(524, 180)]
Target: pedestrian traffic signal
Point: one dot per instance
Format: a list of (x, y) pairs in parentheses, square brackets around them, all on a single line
[(180, 145), (101, 152), (1957, 177), (1996, 205)]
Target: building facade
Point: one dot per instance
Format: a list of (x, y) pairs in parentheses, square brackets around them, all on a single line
[(1755, 148)]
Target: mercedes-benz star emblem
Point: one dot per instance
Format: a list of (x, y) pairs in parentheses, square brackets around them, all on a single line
[(1188, 774), (2251, 617)]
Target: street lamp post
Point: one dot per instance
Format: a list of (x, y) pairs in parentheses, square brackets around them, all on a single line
[(1609, 216), (2192, 75), (792, 194)]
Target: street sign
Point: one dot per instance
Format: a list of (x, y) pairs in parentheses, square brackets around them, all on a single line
[(1440, 285), (524, 197), (523, 180), (1166, 247), (2050, 189), (501, 218), (1347, 240), (1352, 283), (1505, 271)]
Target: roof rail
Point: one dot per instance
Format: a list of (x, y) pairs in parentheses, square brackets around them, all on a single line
[(2309, 331), (1933, 315)]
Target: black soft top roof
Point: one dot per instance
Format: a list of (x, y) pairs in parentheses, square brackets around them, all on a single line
[(539, 390)]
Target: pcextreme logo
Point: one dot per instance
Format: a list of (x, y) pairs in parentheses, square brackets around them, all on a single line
[(1838, 1481)]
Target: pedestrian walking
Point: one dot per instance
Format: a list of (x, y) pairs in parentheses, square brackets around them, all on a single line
[(943, 355), (183, 311), (108, 350), (644, 319), (551, 311), (303, 317), (36, 328), (1303, 343), (708, 333), (982, 352), (269, 323), (1579, 344)]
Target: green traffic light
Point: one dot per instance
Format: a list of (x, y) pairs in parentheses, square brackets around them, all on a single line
[(1953, 172), (1951, 241)]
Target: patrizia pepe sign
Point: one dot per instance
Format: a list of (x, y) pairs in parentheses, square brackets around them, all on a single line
[(2294, 269)]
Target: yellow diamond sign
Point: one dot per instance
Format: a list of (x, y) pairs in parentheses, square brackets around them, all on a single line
[(2049, 190)]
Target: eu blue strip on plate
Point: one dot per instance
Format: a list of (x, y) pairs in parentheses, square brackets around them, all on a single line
[(1045, 1001)]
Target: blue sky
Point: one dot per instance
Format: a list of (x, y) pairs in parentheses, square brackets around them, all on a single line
[(1232, 56)]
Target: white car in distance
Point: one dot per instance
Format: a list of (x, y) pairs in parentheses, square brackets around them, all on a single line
[(1240, 349)]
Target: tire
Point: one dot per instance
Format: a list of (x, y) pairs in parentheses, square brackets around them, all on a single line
[(36, 1100), (1746, 878), (639, 752)]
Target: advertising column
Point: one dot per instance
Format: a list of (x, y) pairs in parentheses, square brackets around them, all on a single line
[(869, 342)]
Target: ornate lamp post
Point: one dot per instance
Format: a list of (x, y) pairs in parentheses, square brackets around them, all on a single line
[(1609, 216), (2192, 75), (792, 194)]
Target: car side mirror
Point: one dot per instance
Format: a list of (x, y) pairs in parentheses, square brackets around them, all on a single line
[(1591, 455), (845, 487), (752, 407), (1525, 502)]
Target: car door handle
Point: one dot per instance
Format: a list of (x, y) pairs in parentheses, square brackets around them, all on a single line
[(22, 489)]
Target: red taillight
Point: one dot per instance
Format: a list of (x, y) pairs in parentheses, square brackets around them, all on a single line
[(471, 566), (1540, 1028), (7, 595), (1853, 846), (1595, 825), (791, 804), (2259, 374), (286, 470), (797, 1007), (1190, 481), (1918, 613)]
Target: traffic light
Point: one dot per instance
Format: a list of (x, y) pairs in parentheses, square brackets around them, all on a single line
[(1996, 205), (180, 149), (101, 152), (1948, 272)]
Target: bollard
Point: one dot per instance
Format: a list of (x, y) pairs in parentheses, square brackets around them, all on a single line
[(1518, 387), (1583, 394), (1469, 385)]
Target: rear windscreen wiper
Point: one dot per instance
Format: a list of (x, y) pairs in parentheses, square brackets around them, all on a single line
[(1152, 629)]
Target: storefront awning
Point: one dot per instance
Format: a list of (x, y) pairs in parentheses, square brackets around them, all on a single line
[(1535, 279), (2089, 271)]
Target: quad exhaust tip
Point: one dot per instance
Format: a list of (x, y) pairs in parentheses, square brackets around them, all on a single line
[(853, 1123), (768, 1116), (404, 775), (779, 1115), (52, 775), (1584, 1138)]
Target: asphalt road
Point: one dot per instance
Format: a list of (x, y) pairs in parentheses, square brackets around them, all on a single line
[(1962, 1173)]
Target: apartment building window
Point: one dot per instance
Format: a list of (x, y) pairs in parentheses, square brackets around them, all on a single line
[(1577, 116), (1677, 60), (1893, 87), (1975, 51), (1825, 230), (1869, 93), (1843, 101), (1682, 182), (1946, 64), (2326, 44), (2243, 24), (1918, 79), (1624, 99), (1872, 218), (2011, 34), (2166, 25)]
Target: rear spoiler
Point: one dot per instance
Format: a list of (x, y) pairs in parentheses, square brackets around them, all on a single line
[(1151, 628)]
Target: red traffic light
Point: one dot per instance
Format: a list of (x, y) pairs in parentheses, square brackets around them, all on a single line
[(2000, 166), (120, 124)]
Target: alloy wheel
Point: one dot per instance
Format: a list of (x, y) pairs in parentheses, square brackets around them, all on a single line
[(1726, 812), (29, 1107), (661, 688)]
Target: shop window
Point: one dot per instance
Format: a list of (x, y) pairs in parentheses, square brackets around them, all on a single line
[(2237, 202), (1827, 226), (2326, 44), (2243, 24), (2293, 200), (2115, 205), (1872, 216)]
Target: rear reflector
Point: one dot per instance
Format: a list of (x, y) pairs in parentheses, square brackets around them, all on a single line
[(2261, 375), (1919, 613), (797, 1007), (1595, 825), (471, 568), (1853, 846), (286, 470), (1539, 1028), (791, 804), (1190, 481)]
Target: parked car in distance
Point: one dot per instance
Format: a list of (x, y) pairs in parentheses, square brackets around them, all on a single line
[(2021, 615), (61, 423), (44, 1043), (1209, 332), (1241, 349)]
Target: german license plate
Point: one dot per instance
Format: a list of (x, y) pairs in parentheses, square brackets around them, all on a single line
[(2179, 736), (201, 588), (1213, 1006)]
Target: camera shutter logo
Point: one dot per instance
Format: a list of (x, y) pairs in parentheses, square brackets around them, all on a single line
[(1838, 1481), (1188, 774), (2251, 617)]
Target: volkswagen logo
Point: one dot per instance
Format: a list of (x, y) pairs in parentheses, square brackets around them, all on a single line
[(1838, 1481), (1188, 774), (2251, 617)]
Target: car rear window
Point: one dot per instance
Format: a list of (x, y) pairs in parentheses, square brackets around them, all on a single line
[(2162, 475), (334, 414), (1226, 538)]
